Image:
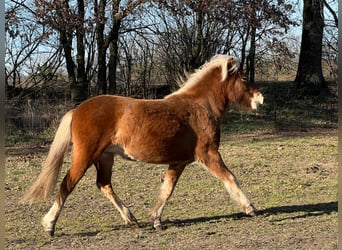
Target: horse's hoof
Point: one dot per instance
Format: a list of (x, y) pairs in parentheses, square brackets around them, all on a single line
[(158, 226), (132, 222), (134, 225), (50, 232), (251, 210), (49, 228)]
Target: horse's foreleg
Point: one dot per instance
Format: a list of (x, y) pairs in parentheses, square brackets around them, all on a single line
[(103, 182), (76, 172), (216, 166), (166, 189)]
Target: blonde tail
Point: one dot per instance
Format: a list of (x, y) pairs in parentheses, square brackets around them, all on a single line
[(43, 187)]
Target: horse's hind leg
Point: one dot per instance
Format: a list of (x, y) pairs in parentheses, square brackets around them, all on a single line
[(170, 180), (79, 167), (103, 182), (216, 166)]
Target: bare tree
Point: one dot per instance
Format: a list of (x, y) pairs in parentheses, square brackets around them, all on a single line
[(108, 27), (309, 74), (136, 63), (194, 30), (189, 33), (68, 19), (24, 39), (330, 39), (165, 37), (261, 20)]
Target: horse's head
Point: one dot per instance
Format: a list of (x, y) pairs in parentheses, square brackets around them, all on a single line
[(238, 89)]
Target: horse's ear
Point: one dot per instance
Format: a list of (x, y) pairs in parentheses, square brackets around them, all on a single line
[(232, 66), (229, 67)]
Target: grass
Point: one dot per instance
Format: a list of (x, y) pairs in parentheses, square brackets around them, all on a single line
[(19, 136), (286, 163), (290, 177)]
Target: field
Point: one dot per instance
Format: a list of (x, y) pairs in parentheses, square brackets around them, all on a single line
[(285, 160)]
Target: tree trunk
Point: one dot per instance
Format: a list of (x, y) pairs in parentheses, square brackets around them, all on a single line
[(243, 48), (112, 68), (113, 54), (309, 73), (101, 71), (70, 65), (82, 83), (78, 83), (196, 60), (99, 10), (251, 56)]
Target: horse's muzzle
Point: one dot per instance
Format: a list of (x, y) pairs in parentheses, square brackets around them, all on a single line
[(257, 100)]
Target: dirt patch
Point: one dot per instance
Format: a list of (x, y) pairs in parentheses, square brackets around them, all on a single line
[(291, 177)]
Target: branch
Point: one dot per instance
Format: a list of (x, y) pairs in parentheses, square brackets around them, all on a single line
[(332, 12), (22, 3)]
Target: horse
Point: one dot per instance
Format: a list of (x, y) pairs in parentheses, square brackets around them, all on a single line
[(181, 128)]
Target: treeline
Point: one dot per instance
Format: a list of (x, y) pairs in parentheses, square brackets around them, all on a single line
[(137, 47)]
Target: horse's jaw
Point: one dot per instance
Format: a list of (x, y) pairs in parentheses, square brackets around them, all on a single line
[(257, 100)]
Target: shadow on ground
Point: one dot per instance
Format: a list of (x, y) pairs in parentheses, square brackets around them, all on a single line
[(298, 211), (295, 212)]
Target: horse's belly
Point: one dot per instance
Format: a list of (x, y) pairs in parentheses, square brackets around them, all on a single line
[(118, 150), (156, 135), (158, 152), (163, 154)]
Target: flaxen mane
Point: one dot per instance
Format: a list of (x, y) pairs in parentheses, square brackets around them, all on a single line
[(216, 61)]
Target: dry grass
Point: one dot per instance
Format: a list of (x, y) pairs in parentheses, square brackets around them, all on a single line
[(285, 158), (291, 177)]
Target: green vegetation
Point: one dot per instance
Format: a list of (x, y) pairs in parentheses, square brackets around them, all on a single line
[(287, 165), (291, 177), (20, 136)]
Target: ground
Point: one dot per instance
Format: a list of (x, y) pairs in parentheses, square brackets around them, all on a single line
[(284, 156), (290, 176)]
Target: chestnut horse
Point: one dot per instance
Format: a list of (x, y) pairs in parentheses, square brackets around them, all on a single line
[(181, 128)]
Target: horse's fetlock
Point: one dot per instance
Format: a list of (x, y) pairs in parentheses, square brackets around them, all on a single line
[(251, 210), (49, 226)]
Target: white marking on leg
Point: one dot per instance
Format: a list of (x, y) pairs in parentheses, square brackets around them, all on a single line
[(237, 195), (49, 220), (119, 205), (165, 192)]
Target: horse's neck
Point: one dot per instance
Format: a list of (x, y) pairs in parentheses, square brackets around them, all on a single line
[(214, 97), (213, 101), (218, 105)]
